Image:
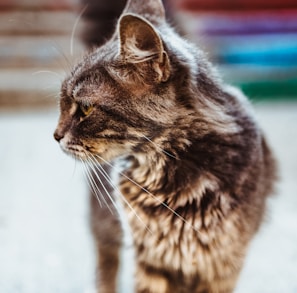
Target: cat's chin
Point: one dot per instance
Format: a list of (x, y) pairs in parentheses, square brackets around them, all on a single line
[(74, 150), (94, 154), (79, 153)]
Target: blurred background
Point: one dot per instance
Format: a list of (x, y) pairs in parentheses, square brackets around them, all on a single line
[(45, 240), (253, 41)]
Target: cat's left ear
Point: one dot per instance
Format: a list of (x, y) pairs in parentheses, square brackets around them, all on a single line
[(140, 42)]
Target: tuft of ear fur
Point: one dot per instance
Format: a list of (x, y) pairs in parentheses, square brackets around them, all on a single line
[(140, 42), (152, 10)]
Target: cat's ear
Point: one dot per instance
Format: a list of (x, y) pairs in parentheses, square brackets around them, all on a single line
[(152, 10), (140, 42)]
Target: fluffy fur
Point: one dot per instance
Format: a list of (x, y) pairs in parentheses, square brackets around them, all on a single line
[(198, 169)]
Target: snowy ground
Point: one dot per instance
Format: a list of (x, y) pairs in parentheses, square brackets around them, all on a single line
[(45, 241)]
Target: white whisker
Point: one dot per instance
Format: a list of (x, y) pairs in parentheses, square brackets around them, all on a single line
[(54, 85), (50, 96), (149, 193), (60, 76), (74, 169), (74, 28), (116, 189), (91, 165), (159, 148), (66, 66), (91, 183)]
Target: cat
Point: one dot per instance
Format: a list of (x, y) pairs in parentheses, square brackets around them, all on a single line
[(195, 167)]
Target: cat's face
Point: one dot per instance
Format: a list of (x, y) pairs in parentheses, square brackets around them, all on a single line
[(118, 95)]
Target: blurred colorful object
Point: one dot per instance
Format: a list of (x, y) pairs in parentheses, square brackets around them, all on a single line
[(235, 4), (254, 42)]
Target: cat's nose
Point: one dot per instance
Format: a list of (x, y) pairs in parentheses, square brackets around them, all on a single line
[(58, 136)]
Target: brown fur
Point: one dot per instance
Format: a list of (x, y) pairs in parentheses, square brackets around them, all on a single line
[(198, 168)]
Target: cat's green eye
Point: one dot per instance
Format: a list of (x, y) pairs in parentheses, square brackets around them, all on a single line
[(86, 109)]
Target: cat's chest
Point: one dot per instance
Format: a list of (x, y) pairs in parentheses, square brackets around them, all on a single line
[(171, 239), (180, 235)]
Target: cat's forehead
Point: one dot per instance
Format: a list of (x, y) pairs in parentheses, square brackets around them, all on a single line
[(91, 63), (91, 82)]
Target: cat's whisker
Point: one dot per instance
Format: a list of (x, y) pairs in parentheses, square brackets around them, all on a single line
[(51, 96), (49, 87), (67, 65), (91, 165), (74, 29), (152, 195), (60, 76), (74, 169), (159, 148), (116, 189), (91, 183)]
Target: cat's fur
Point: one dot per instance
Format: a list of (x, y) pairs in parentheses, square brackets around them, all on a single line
[(198, 168)]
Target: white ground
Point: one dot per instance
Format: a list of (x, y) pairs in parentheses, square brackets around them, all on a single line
[(45, 241)]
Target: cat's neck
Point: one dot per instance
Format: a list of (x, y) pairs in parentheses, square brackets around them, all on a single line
[(158, 197), (157, 177)]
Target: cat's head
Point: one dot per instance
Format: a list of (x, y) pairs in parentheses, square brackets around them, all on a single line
[(125, 91)]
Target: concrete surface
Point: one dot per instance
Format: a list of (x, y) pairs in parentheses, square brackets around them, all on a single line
[(45, 241)]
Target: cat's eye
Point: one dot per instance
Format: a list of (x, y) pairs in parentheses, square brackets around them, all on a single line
[(86, 109)]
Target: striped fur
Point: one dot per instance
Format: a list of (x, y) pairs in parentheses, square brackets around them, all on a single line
[(198, 169)]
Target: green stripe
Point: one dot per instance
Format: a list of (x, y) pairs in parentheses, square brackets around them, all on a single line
[(272, 89)]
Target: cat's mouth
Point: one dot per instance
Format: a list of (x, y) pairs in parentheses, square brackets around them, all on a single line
[(75, 150)]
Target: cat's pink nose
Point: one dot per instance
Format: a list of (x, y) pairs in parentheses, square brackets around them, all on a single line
[(58, 136)]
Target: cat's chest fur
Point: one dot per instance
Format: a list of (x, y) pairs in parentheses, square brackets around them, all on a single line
[(179, 231)]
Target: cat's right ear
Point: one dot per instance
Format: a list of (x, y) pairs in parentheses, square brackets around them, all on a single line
[(140, 42)]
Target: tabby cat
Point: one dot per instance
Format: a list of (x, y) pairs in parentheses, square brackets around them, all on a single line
[(195, 169)]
